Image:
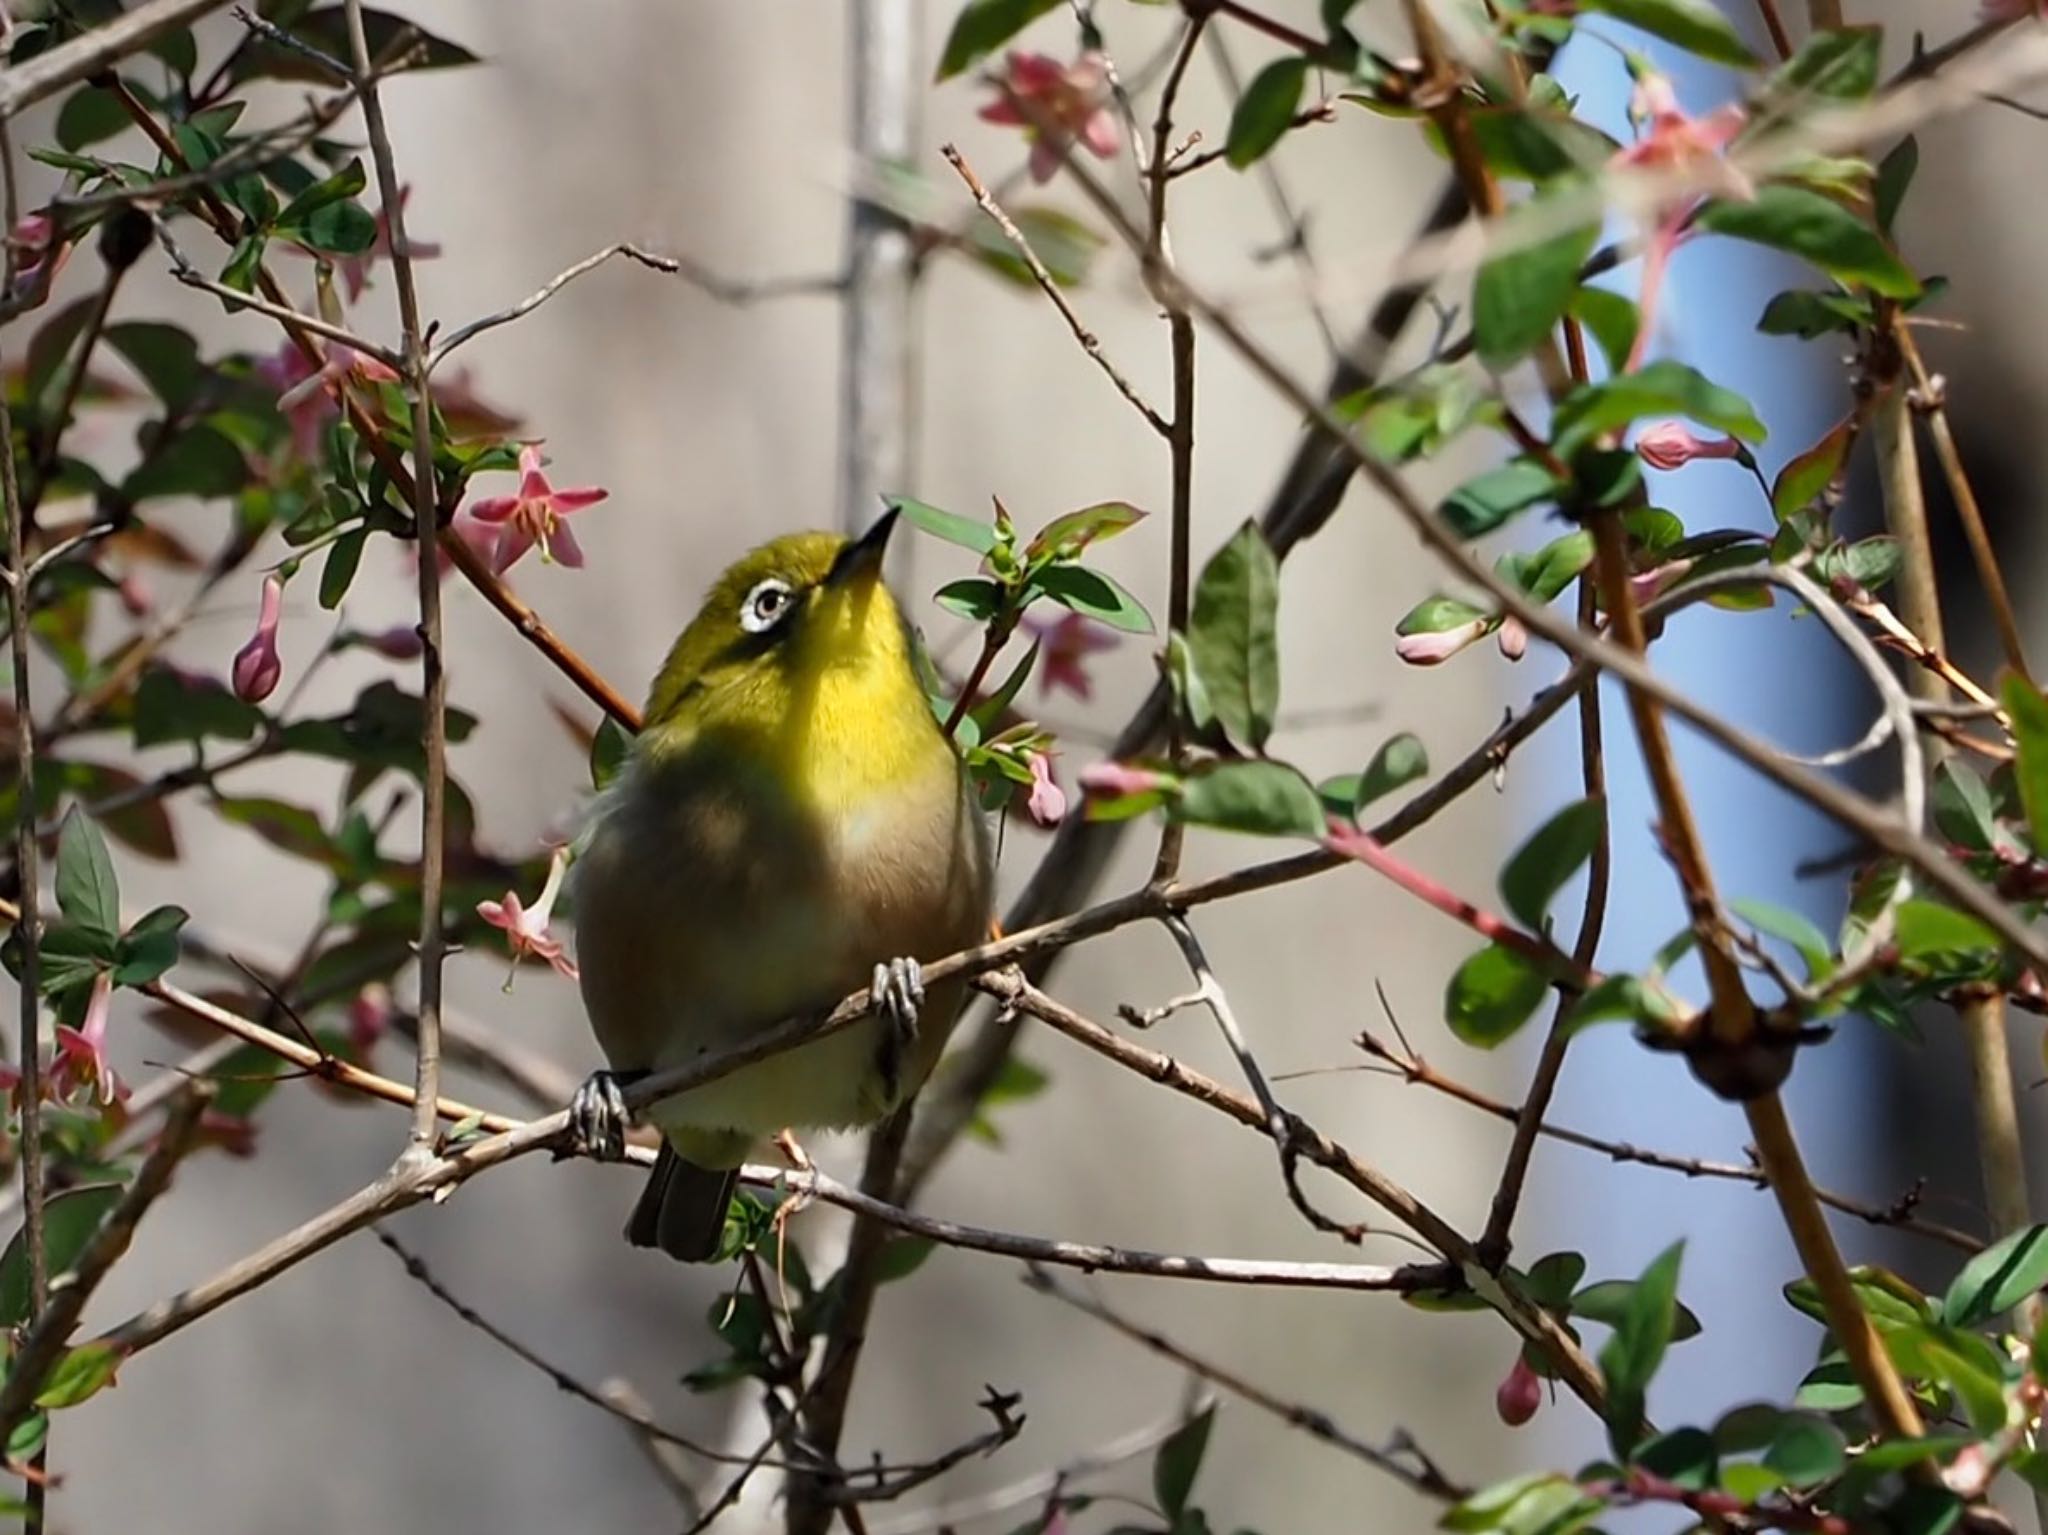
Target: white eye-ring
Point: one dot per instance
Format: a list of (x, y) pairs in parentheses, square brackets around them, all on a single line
[(766, 606)]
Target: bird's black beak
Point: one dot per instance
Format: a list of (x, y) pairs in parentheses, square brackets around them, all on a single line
[(862, 557)]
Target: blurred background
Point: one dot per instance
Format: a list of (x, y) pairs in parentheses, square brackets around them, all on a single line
[(342, 1396)]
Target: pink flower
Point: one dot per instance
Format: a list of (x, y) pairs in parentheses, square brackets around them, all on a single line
[(136, 597), (1047, 804), (527, 930), (1673, 445), (482, 541), (257, 666), (1064, 647), (233, 1133), (1648, 585), (1673, 142), (369, 1017), (343, 364), (1434, 648), (309, 397), (1519, 1395), (1057, 105), (1117, 779), (2009, 10), (81, 1058), (535, 516), (355, 270), (1512, 638)]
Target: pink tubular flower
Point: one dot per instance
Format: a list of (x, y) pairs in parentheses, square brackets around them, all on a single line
[(1673, 142), (233, 1133), (1057, 105), (343, 363), (369, 1016), (81, 1058), (1648, 585), (2010, 10), (257, 666), (401, 642), (536, 515), (1064, 647), (1047, 804), (35, 242), (1512, 638), (527, 930), (355, 270), (1673, 445), (1116, 779), (1518, 1396), (1437, 647)]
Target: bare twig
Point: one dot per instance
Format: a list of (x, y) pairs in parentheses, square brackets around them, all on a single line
[(665, 1459), (85, 56)]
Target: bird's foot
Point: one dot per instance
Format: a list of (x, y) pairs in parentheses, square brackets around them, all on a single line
[(898, 990), (797, 1157), (598, 1116)]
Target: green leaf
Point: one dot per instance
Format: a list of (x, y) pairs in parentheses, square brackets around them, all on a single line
[(1970, 1368), (1065, 246), (953, 528), (1928, 927), (984, 26), (1807, 941), (1697, 26), (1962, 807), (971, 598), (1520, 295), (150, 947), (1612, 319), (1618, 998), (89, 115), (343, 556), (1233, 636), (901, 1257), (1998, 1278), (1538, 1503), (69, 1219), (166, 356), (79, 1374), (1550, 569), (198, 461), (1804, 223), (1265, 110), (327, 30), (1433, 615), (1801, 482), (326, 217), (1553, 854), (1267, 799), (1480, 505), (1491, 995), (1662, 388), (609, 747), (1093, 595), (1685, 1457), (1400, 760), (1894, 176), (2028, 711), (1608, 1302), (1839, 63), (1924, 1510), (87, 891), (1806, 1451), (1178, 1462), (1552, 1278), (1797, 312), (1067, 535), (1630, 1358)]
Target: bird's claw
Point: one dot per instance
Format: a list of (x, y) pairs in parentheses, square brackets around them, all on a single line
[(898, 990), (598, 1118)]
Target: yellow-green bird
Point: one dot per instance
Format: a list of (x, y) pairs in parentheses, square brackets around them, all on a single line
[(791, 825)]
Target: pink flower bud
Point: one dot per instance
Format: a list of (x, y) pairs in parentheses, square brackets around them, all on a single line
[(1512, 638), (401, 642), (1047, 804), (136, 597), (369, 1015), (1648, 585), (257, 667), (1115, 779), (1519, 1395), (1673, 445), (1438, 646)]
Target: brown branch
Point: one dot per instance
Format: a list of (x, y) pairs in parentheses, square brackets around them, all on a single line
[(94, 52)]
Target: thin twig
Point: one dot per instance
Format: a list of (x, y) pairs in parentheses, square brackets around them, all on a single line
[(1393, 1459), (91, 53), (433, 673)]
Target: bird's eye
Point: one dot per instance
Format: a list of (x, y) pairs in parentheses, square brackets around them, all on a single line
[(765, 606)]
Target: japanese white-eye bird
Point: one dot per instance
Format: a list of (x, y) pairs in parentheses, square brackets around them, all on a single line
[(790, 825)]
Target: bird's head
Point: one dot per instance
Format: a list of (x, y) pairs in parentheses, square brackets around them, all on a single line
[(784, 620)]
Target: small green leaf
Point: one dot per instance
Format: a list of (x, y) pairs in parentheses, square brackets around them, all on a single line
[(1806, 1451), (1552, 1278), (1093, 595), (1067, 535), (1807, 941), (971, 598), (1233, 636), (1797, 312), (1801, 482), (1266, 799), (1998, 1278), (1697, 26), (90, 114), (1491, 995), (1962, 807), (1971, 1373), (609, 747), (1549, 570), (1685, 1458), (1553, 854), (1400, 760), (951, 526), (2028, 711), (1480, 505), (343, 557), (1663, 388), (1839, 63), (1928, 927), (1618, 998), (1526, 1503), (166, 356), (1520, 295), (1612, 319), (1179, 1461), (79, 1374), (1807, 224), (1265, 110), (1433, 615), (1894, 176), (70, 1218), (1608, 1301), (1630, 1358), (984, 26), (149, 947), (902, 1257), (1065, 246), (87, 891)]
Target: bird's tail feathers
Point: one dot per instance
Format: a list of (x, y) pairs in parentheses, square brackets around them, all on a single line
[(682, 1210)]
